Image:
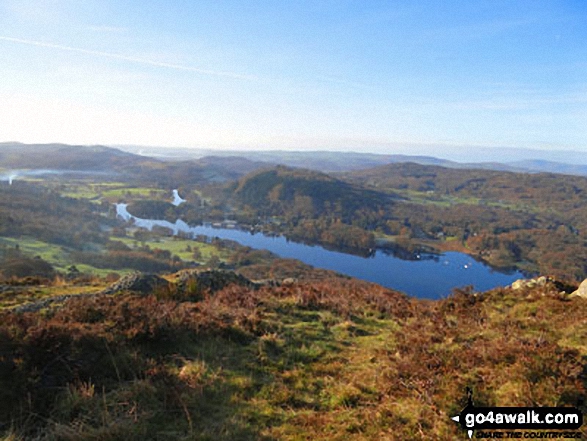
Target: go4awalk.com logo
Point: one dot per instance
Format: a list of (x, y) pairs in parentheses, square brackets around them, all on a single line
[(512, 422)]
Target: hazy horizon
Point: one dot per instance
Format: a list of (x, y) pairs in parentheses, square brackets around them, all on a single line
[(458, 154)]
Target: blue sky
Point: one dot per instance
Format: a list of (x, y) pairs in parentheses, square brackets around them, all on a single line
[(380, 76)]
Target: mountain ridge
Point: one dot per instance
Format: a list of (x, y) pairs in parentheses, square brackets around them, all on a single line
[(97, 157)]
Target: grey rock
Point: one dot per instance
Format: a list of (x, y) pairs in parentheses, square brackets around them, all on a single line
[(211, 280), (530, 283), (48, 302), (138, 283), (581, 290)]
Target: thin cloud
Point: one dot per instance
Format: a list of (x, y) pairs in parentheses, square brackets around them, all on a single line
[(130, 59)]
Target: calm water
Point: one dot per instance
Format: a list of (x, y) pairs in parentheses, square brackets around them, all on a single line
[(429, 277)]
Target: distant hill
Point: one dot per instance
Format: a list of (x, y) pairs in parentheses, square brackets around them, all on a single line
[(545, 189), (324, 161), (316, 160), (65, 157), (282, 189), (537, 165), (310, 207), (236, 165), (79, 158), (204, 166)]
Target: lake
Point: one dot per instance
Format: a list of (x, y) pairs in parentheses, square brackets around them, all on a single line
[(431, 276)]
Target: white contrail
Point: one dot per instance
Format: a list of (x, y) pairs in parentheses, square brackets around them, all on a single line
[(127, 58)]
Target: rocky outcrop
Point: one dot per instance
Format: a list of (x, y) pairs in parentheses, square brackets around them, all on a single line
[(138, 283), (545, 284), (191, 282), (581, 291), (48, 302), (198, 282), (530, 283)]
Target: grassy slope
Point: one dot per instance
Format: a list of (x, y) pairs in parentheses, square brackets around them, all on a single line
[(328, 360), (177, 247)]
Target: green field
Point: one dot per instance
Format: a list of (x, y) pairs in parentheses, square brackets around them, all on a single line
[(110, 190), (434, 198), (51, 253), (179, 247), (56, 256), (142, 192)]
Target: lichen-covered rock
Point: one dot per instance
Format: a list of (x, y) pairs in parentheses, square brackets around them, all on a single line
[(544, 285), (530, 283), (138, 283)]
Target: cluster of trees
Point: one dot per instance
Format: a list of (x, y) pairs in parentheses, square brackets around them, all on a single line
[(153, 209), (82, 228), (189, 173), (32, 210), (192, 213), (311, 206), (297, 194), (332, 233), (534, 221), (15, 264), (117, 255)]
